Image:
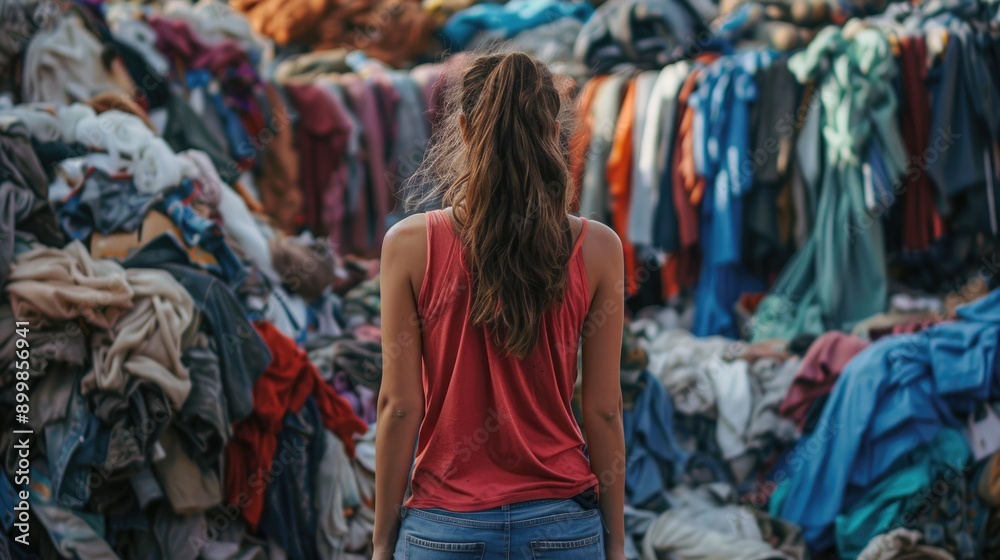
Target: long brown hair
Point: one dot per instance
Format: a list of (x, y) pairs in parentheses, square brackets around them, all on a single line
[(509, 192)]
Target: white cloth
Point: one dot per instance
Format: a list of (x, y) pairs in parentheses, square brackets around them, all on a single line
[(63, 64), (902, 543), (122, 134), (242, 227), (660, 115), (41, 124), (158, 168), (198, 166), (69, 117)]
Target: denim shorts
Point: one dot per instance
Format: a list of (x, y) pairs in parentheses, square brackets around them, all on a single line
[(536, 530)]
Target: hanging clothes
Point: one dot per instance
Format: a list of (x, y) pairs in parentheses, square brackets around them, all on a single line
[(839, 276), (721, 142)]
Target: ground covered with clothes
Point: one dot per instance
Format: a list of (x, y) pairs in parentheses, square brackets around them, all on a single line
[(193, 197)]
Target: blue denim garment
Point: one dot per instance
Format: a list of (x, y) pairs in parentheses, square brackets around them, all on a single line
[(892, 398), (70, 443), (722, 155), (240, 144), (74, 533), (539, 529), (655, 457), (289, 510), (8, 499), (201, 232)]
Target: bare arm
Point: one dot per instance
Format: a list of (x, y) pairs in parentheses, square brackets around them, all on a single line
[(401, 397), (602, 395)]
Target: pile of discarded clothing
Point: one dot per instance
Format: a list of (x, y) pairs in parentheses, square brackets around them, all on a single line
[(203, 372), (879, 445), (190, 218)]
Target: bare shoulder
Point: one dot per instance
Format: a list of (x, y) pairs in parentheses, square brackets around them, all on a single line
[(408, 234), (602, 242)]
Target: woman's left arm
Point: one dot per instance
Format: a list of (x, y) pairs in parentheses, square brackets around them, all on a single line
[(401, 397)]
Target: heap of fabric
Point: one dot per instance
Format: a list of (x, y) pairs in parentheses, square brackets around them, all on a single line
[(927, 379)]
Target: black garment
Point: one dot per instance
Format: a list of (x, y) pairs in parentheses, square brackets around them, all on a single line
[(186, 131), (202, 422), (243, 356), (774, 126)]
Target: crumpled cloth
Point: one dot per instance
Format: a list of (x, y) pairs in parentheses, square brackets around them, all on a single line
[(69, 117), (157, 169), (289, 380), (902, 544), (146, 341), (63, 64), (695, 528), (122, 134), (24, 204), (48, 286), (43, 125)]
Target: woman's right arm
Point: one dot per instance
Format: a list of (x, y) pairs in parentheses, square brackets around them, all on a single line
[(602, 396)]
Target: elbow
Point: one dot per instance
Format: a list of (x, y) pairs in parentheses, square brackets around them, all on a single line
[(608, 414), (395, 409)]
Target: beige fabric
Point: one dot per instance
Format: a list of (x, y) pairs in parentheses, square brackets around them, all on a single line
[(49, 286), (64, 64), (146, 341)]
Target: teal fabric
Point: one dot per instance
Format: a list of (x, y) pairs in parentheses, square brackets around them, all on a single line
[(889, 505), (838, 278)]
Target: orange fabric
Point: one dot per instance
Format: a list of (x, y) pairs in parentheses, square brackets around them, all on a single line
[(619, 174), (688, 187), (251, 201), (668, 274), (580, 143), (113, 100)]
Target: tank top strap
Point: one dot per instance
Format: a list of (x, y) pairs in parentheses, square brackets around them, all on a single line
[(579, 240), (441, 245)]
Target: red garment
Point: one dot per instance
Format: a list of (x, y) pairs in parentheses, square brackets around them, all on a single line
[(820, 368), (283, 388), (922, 224), (321, 137), (496, 430)]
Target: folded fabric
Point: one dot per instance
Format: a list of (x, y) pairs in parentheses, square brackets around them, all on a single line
[(70, 116), (48, 286), (307, 269), (146, 341)]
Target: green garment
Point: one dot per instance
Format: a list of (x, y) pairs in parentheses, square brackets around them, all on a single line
[(838, 277), (903, 497)]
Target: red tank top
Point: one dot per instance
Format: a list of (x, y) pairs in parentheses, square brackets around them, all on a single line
[(497, 430)]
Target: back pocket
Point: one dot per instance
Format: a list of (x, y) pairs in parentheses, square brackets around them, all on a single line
[(420, 549), (580, 549)]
